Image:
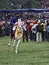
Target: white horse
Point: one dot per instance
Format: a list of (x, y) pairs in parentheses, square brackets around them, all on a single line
[(17, 37)]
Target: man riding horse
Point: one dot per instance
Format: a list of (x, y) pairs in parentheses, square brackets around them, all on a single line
[(16, 35)]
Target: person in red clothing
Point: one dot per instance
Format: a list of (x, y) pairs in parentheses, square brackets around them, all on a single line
[(29, 30)]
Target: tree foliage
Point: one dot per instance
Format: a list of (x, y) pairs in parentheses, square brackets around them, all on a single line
[(16, 4)]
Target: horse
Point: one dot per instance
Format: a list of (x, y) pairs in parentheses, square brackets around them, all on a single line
[(16, 35)]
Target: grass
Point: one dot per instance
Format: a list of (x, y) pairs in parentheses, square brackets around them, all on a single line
[(30, 53)]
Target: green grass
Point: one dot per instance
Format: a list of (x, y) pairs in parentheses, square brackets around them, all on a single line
[(30, 53)]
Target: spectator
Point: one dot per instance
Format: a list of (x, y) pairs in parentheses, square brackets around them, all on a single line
[(39, 31), (29, 31), (25, 32), (47, 29)]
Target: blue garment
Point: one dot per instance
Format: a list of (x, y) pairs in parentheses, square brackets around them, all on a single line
[(13, 20), (19, 17)]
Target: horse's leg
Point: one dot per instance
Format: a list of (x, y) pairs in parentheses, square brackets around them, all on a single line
[(17, 45), (14, 42), (10, 42)]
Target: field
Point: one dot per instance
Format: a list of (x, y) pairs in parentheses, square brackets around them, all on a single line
[(30, 53)]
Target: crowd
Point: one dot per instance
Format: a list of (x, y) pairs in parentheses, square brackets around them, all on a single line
[(36, 30), (33, 28)]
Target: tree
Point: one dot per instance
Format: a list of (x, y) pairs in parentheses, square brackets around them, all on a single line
[(14, 4)]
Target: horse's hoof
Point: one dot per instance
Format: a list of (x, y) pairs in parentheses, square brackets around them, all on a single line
[(8, 44), (16, 51)]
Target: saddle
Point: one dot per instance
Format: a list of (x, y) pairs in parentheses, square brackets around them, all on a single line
[(19, 32)]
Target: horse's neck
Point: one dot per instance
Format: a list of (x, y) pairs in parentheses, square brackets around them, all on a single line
[(19, 29)]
